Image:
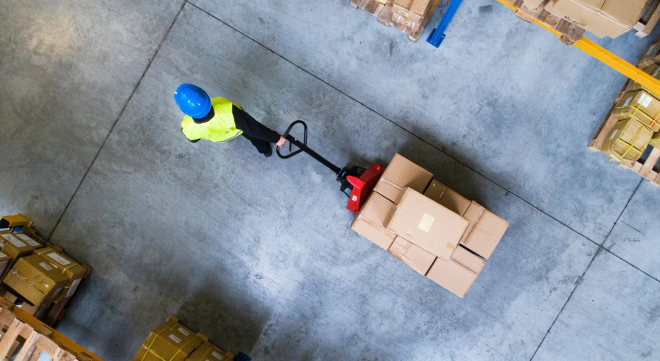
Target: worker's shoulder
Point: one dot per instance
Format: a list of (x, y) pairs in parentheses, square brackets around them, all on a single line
[(187, 120), (220, 100)]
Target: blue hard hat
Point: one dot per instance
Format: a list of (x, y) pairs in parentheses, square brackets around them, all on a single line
[(192, 100)]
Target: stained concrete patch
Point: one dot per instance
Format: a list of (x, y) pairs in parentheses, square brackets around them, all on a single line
[(613, 315), (500, 95), (258, 254), (635, 236), (67, 70)]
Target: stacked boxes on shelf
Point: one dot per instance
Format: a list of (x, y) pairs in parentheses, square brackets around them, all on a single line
[(37, 276), (638, 114), (429, 227), (174, 342), (410, 13), (600, 17)]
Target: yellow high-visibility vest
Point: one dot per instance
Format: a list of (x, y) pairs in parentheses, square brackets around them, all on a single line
[(221, 128)]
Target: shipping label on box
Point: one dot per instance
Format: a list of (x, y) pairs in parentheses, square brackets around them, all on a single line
[(427, 224), (412, 255), (372, 220), (399, 174)]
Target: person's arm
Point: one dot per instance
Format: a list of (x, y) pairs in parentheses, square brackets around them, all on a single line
[(253, 128)]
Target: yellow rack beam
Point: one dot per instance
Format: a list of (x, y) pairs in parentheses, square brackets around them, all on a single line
[(607, 58)]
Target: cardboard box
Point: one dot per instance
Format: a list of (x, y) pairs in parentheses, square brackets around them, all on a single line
[(590, 20), (427, 224), (399, 174), (453, 276), (208, 352), (484, 232), (398, 19), (406, 14), (627, 12), (372, 220), (419, 6), (627, 140), (170, 341), (412, 255), (650, 57), (403, 3), (447, 197), (16, 247), (35, 281), (639, 104), (5, 262), (468, 259), (65, 264)]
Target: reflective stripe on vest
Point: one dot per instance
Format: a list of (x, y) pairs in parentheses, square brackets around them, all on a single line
[(221, 128)]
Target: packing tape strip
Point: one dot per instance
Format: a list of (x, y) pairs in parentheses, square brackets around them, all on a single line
[(184, 345), (148, 348), (14, 272), (389, 183), (635, 137)]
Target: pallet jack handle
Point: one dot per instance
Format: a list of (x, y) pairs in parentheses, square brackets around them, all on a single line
[(302, 147)]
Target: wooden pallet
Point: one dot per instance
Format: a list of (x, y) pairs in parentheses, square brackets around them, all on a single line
[(649, 20), (645, 168), (24, 338), (383, 12)]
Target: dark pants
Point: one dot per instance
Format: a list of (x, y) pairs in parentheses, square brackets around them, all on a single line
[(262, 146)]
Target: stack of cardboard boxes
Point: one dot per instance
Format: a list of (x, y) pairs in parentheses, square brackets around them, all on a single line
[(428, 226), (37, 276), (174, 342), (638, 112), (600, 17), (409, 12)]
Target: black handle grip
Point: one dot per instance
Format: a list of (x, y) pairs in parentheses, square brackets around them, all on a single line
[(293, 141)]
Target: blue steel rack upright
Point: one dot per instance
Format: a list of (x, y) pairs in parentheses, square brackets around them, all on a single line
[(438, 34)]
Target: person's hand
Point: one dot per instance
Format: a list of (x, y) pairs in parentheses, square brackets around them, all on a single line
[(281, 142)]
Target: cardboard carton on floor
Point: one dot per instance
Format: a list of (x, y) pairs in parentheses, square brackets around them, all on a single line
[(485, 230), (70, 268), (459, 273), (372, 220), (34, 280), (170, 341), (399, 174), (207, 352), (627, 140), (427, 224), (447, 197), (412, 255)]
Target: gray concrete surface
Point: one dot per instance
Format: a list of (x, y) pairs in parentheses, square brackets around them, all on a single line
[(256, 253)]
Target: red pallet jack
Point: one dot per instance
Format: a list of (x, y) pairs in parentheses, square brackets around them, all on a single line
[(361, 181)]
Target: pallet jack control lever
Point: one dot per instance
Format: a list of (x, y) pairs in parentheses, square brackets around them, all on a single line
[(360, 181)]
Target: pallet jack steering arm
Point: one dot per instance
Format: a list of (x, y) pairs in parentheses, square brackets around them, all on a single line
[(360, 181)]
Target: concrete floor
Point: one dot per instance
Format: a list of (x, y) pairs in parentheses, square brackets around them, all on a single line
[(257, 254)]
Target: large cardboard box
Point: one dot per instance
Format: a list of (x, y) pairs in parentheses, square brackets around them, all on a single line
[(485, 230), (17, 244), (446, 196), (591, 20), (627, 140), (399, 174), (427, 224), (372, 220), (452, 275), (400, 11), (170, 341), (641, 105), (412, 255), (207, 352), (627, 12), (419, 6), (34, 280), (65, 264)]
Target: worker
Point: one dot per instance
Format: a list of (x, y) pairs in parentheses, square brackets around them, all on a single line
[(220, 120)]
